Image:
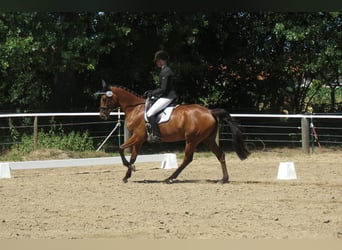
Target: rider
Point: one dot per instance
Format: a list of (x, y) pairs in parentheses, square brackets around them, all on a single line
[(165, 94)]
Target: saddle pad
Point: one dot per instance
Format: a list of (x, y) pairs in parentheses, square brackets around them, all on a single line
[(163, 116)]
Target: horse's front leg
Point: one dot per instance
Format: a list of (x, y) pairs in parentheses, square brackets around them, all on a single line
[(129, 166), (136, 145), (125, 162)]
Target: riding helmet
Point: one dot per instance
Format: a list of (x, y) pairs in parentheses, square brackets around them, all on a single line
[(161, 54)]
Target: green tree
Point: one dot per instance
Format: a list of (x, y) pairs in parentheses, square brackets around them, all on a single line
[(21, 61), (241, 61), (313, 51)]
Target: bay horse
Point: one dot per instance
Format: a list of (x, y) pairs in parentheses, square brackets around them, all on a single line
[(191, 123)]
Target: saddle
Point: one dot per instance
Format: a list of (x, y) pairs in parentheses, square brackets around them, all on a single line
[(162, 116)]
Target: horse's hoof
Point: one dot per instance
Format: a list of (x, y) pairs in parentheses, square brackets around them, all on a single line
[(223, 181), (169, 181), (124, 180)]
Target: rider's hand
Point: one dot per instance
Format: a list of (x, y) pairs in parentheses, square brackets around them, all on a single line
[(147, 93)]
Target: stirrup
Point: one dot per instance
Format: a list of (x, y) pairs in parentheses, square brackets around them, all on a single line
[(151, 138)]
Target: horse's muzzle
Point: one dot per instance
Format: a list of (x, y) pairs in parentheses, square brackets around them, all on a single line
[(103, 117), (104, 113)]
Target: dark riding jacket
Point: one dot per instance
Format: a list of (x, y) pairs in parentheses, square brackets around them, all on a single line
[(166, 89)]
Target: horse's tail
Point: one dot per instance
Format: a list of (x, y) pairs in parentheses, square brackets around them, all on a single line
[(238, 139)]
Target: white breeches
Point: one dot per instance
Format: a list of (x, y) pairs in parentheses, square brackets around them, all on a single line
[(159, 105)]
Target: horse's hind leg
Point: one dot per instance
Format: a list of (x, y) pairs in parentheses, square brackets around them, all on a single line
[(189, 153), (212, 145)]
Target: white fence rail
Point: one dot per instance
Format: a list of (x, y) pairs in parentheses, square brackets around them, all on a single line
[(303, 128), (56, 114), (37, 115), (306, 129), (307, 116), (122, 113)]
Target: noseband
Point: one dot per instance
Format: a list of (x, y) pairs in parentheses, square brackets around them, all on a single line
[(105, 109)]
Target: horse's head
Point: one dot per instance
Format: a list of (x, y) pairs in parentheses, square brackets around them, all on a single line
[(108, 101), (117, 96)]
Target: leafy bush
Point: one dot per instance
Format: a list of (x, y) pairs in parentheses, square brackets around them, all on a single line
[(74, 141)]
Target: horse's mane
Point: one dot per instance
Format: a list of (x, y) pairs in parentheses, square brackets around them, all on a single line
[(127, 89)]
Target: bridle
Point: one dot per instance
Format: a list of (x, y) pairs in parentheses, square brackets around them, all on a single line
[(110, 94)]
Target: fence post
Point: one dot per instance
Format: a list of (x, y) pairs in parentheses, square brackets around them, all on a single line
[(35, 133), (305, 135)]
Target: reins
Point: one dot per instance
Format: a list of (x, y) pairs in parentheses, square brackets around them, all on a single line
[(109, 94), (128, 106), (134, 105)]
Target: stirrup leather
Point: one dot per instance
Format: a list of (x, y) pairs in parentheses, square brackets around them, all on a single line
[(149, 129)]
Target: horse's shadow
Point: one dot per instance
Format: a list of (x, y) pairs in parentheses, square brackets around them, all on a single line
[(206, 181), (175, 181)]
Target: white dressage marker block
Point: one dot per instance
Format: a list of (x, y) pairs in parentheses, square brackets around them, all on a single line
[(5, 170), (169, 162), (286, 171)]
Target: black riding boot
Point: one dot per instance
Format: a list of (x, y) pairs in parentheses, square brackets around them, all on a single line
[(154, 135)]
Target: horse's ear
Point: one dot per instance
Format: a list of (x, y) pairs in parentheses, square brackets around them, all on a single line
[(104, 85), (99, 93)]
